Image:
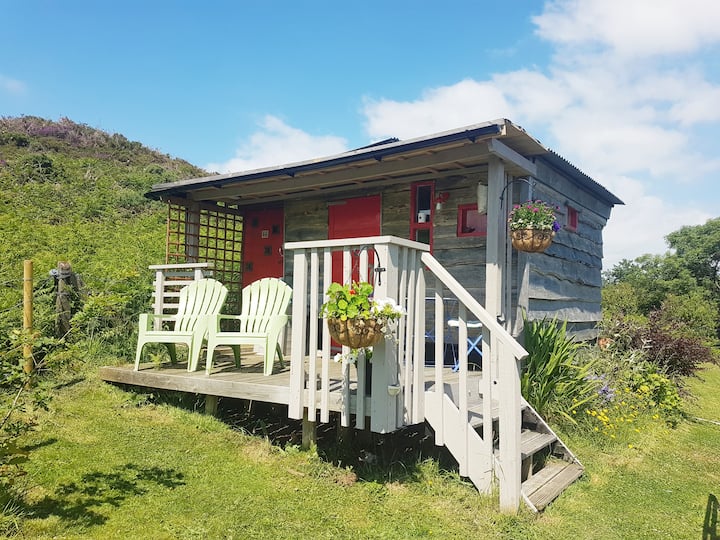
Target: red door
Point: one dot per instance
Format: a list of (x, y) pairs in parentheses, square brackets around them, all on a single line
[(263, 237), (353, 218)]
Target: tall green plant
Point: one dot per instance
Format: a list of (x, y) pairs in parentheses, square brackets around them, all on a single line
[(553, 380)]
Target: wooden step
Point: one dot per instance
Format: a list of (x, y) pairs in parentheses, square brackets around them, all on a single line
[(547, 484), (533, 441)]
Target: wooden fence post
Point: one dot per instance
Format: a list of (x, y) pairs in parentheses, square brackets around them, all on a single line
[(28, 362), (69, 287)]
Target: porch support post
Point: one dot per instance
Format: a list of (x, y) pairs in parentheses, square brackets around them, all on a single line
[(496, 239), (192, 232), (502, 365), (383, 406), (309, 431), (211, 405)]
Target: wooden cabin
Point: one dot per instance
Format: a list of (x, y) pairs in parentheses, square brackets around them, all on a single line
[(424, 220)]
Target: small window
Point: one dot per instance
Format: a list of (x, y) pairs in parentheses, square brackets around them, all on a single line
[(470, 221), (571, 223), (422, 212)]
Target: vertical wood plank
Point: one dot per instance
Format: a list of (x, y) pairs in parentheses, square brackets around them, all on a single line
[(495, 235), (313, 333), (325, 377)]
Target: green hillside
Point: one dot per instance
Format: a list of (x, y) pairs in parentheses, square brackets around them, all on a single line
[(69, 192)]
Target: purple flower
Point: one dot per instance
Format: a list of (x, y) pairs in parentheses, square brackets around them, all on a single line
[(555, 226)]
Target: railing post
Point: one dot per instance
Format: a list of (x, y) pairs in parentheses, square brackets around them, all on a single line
[(383, 408), (159, 298), (297, 348), (419, 361), (510, 425)]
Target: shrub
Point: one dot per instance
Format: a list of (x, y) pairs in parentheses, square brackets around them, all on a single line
[(678, 355), (554, 380), (657, 392), (691, 315)]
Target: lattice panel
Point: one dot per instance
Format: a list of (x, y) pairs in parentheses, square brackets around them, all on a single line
[(208, 233)]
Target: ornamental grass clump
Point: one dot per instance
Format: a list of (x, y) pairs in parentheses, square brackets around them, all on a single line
[(537, 215), (554, 380)]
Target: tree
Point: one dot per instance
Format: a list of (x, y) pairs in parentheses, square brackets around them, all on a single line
[(698, 249), (652, 278)]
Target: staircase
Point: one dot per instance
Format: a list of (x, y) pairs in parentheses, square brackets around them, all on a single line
[(548, 466)]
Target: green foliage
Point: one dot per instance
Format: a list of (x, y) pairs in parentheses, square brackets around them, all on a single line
[(69, 192), (620, 300), (355, 301), (555, 380), (652, 278), (698, 247), (688, 280), (657, 392), (691, 315), (635, 397), (348, 301)]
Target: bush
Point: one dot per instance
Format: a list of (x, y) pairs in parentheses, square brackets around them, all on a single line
[(691, 315), (677, 337), (677, 354)]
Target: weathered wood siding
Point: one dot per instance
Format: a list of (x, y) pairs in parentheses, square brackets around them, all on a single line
[(565, 282), (463, 257)]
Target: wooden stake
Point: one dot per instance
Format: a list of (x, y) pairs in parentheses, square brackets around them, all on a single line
[(28, 363)]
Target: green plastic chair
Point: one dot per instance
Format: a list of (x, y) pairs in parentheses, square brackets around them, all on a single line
[(200, 299), (262, 318)]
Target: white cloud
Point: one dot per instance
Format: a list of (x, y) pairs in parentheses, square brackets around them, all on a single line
[(439, 109), (12, 86), (636, 229), (617, 100), (627, 97), (277, 143), (632, 28)]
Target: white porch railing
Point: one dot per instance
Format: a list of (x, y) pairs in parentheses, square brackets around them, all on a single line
[(399, 273), (396, 270)]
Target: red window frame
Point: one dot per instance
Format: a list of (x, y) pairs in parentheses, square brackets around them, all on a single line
[(465, 219), (422, 197), (571, 221)]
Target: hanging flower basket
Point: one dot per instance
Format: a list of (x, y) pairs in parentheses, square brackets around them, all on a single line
[(532, 240), (355, 333)]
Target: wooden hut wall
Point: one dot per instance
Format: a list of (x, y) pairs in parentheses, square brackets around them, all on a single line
[(464, 257), (566, 281)]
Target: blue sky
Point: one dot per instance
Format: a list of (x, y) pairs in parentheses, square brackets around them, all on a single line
[(627, 90)]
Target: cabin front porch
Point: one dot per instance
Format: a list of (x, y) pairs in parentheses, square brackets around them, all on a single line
[(479, 415)]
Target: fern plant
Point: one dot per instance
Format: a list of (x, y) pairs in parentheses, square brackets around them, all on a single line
[(553, 380)]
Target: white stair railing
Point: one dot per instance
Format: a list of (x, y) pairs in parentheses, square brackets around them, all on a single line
[(500, 383), (403, 265)]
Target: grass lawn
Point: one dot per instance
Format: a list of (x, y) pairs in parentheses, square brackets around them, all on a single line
[(104, 463)]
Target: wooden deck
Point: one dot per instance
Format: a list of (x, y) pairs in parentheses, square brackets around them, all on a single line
[(225, 380)]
